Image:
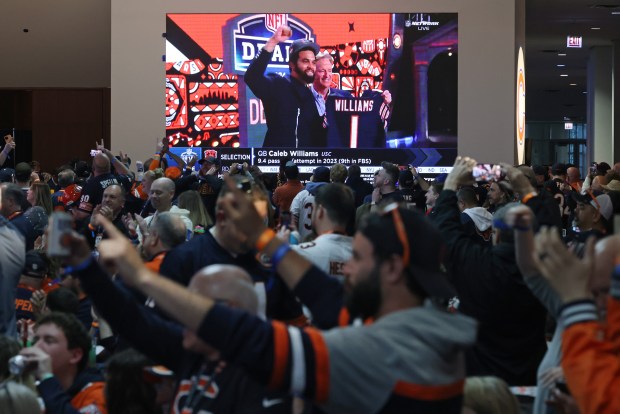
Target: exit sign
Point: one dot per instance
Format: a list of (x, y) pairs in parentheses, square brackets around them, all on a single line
[(574, 41)]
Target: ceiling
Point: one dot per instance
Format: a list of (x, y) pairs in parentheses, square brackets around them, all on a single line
[(550, 97)]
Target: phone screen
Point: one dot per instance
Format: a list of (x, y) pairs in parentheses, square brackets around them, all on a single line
[(487, 172)]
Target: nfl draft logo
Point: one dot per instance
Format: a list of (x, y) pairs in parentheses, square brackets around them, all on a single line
[(246, 34), (275, 20)]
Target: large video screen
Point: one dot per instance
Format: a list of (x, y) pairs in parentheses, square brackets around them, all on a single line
[(212, 105)]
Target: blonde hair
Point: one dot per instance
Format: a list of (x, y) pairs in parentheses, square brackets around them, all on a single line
[(18, 399), (338, 173), (489, 395), (191, 200)]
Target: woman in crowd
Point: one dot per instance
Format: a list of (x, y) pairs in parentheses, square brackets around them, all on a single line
[(39, 194), (191, 200)]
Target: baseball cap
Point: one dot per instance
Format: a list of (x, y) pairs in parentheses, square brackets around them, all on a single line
[(291, 170), (405, 179), (321, 175), (71, 195), (35, 266), (302, 44), (82, 170), (173, 173), (210, 160), (425, 246), (6, 175), (601, 202)]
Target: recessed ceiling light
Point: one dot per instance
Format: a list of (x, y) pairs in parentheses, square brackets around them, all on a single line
[(595, 28), (615, 12), (560, 65), (585, 92), (564, 75), (561, 54), (572, 84)]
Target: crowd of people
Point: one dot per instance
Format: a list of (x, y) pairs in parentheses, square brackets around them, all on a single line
[(187, 289)]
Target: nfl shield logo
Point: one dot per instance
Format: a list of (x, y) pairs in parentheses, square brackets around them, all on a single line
[(275, 20)]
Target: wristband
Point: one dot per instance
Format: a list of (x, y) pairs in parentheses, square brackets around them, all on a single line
[(279, 254), (528, 197), (69, 270), (500, 224), (265, 237)]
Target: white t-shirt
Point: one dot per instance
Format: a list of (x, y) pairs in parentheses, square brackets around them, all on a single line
[(301, 207), (328, 252)]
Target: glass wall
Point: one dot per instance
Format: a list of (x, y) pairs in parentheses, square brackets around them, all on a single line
[(551, 142)]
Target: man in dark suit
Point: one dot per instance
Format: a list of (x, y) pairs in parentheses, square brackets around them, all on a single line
[(292, 120)]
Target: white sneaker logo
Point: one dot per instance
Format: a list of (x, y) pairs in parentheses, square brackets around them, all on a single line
[(268, 403)]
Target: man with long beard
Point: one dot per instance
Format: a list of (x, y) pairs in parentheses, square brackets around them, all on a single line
[(411, 359), (292, 118)]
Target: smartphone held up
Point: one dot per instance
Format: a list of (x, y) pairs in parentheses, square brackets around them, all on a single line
[(61, 223), (488, 172)]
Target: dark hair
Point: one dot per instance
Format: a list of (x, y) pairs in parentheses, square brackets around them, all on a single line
[(355, 171), (74, 331), (602, 168), (392, 170), (14, 193), (291, 172), (338, 201), (126, 390), (467, 195), (425, 243), (64, 300), (437, 186)]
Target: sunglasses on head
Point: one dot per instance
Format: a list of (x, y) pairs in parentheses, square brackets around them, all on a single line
[(399, 225)]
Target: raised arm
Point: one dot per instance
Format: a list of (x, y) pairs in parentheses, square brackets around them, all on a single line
[(119, 167), (8, 147)]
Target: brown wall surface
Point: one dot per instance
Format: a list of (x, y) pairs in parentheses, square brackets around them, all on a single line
[(67, 122)]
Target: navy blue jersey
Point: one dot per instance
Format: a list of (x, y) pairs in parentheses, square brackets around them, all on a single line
[(182, 262), (356, 122)]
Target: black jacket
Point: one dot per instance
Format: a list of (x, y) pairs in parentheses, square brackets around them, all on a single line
[(292, 117), (511, 338)]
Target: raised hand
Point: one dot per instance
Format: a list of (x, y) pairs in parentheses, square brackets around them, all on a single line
[(118, 251), (566, 273)]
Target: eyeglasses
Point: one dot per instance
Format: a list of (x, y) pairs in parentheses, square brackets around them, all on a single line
[(399, 225)]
